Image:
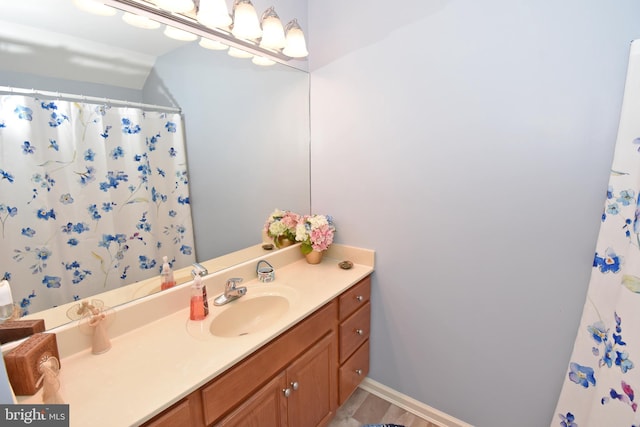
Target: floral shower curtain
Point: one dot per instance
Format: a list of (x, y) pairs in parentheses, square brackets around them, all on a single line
[(91, 198), (602, 385)]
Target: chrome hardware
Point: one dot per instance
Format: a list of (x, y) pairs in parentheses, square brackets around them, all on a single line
[(287, 392), (359, 332), (198, 270), (360, 298), (266, 273), (358, 371), (294, 385), (231, 292)]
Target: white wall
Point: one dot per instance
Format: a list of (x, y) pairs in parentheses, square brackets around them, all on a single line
[(469, 143)]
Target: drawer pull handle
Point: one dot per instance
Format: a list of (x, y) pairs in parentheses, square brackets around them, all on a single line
[(358, 371), (360, 298), (294, 385), (287, 392), (359, 332)]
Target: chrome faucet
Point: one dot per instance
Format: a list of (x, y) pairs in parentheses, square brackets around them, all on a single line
[(231, 291), (198, 270)]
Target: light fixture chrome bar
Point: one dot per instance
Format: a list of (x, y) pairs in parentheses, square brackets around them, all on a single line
[(184, 22)]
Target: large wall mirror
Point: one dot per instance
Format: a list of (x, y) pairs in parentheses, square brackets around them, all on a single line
[(246, 127)]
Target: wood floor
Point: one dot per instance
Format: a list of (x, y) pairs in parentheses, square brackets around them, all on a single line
[(365, 408)]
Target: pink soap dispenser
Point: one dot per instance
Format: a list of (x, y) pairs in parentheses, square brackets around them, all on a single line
[(199, 305), (166, 276)]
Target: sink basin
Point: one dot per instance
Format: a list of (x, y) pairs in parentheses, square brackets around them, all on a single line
[(259, 309), (246, 316)]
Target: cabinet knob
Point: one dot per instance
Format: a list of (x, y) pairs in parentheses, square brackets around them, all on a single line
[(294, 385), (359, 332), (358, 371), (287, 392), (360, 298)]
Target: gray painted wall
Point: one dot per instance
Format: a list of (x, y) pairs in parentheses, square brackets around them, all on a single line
[(247, 133), (469, 144)]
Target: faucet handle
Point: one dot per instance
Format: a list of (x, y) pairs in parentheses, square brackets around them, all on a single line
[(231, 283), (198, 270)]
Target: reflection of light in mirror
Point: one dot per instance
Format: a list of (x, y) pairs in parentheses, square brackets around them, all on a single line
[(261, 60), (177, 34), (239, 53), (245, 21), (104, 65), (296, 46), (272, 30), (177, 6), (18, 49), (140, 21), (214, 14), (94, 7), (212, 44)]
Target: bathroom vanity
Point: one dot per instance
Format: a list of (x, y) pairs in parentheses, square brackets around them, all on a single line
[(290, 369)]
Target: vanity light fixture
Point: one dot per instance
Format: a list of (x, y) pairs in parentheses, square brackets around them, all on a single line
[(176, 6), (94, 7), (214, 14), (245, 21), (178, 34), (209, 20), (140, 21), (212, 44), (296, 47), (272, 30)]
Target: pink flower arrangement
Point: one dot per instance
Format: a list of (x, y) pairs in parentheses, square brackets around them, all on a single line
[(315, 232), (282, 224)]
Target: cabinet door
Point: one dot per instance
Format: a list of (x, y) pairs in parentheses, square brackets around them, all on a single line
[(311, 381), (266, 408)]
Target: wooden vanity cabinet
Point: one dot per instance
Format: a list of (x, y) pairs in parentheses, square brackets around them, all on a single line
[(302, 395), (297, 380), (306, 354), (185, 413), (355, 322)]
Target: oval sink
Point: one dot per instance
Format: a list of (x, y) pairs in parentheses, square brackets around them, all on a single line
[(248, 315)]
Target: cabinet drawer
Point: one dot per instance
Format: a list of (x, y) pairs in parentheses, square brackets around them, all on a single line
[(355, 297), (353, 372), (354, 331)]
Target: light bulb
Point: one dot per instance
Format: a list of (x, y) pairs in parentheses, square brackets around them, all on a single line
[(239, 53), (140, 21), (177, 34), (261, 60), (177, 6), (212, 44), (245, 21), (213, 14), (296, 47), (272, 30)]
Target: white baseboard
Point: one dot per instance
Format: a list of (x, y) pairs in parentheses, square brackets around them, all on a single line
[(411, 405)]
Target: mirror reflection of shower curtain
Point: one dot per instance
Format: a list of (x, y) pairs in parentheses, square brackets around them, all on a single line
[(91, 198), (602, 383)]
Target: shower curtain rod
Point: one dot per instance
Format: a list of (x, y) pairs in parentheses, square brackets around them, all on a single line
[(73, 97)]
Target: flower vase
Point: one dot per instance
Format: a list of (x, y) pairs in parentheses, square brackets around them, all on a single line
[(282, 242), (314, 257)]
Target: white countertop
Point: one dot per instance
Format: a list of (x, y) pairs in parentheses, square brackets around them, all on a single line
[(156, 360)]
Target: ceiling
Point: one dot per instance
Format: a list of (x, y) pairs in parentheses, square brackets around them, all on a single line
[(55, 39)]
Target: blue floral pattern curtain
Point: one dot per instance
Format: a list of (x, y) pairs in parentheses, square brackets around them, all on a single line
[(602, 384), (91, 198)]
